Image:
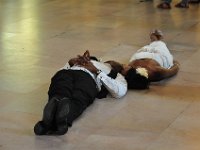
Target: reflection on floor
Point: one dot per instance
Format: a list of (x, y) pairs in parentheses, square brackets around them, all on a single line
[(39, 36)]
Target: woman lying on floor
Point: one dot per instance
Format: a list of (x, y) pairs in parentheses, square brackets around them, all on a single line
[(155, 60)]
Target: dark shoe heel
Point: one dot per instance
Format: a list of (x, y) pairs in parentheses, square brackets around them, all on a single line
[(62, 128)]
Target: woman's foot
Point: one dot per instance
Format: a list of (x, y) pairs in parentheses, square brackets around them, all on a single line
[(164, 5), (182, 5)]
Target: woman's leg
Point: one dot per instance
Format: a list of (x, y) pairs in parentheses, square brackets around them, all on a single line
[(160, 73)]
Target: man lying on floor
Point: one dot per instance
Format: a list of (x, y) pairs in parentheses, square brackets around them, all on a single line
[(155, 60), (74, 88)]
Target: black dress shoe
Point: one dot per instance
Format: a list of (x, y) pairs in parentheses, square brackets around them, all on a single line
[(40, 128), (50, 111), (43, 127), (62, 128), (62, 110), (61, 116)]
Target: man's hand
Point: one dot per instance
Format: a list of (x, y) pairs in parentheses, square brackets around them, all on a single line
[(84, 58), (80, 60), (89, 66)]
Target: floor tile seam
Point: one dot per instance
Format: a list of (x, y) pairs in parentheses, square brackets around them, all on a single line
[(170, 124)]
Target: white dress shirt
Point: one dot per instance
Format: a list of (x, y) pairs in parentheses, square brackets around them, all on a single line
[(157, 51), (117, 87)]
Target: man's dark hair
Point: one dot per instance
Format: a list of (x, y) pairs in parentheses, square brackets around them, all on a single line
[(93, 58), (135, 80)]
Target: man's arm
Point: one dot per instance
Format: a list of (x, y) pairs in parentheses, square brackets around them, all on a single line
[(117, 87), (80, 60)]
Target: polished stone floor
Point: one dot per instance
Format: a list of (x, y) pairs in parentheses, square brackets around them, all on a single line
[(37, 37)]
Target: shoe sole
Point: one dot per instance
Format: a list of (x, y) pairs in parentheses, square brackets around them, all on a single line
[(62, 110), (49, 112)]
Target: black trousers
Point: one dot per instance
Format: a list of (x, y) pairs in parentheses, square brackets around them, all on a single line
[(78, 86)]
